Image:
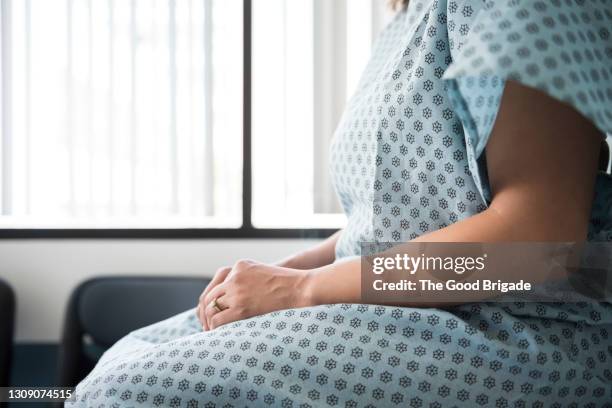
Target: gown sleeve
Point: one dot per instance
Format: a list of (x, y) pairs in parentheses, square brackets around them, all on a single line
[(560, 47)]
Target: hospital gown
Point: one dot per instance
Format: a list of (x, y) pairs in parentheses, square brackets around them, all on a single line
[(407, 159)]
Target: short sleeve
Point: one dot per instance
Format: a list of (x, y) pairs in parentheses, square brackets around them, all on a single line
[(560, 47)]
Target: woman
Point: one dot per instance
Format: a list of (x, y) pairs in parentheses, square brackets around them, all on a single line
[(474, 122)]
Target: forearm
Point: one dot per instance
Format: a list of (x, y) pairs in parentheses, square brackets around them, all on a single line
[(317, 256), (341, 282)]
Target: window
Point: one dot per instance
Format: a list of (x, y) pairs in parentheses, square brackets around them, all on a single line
[(113, 115), (307, 58), (122, 114)]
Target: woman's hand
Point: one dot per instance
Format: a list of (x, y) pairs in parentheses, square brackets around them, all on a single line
[(251, 289), (217, 279)]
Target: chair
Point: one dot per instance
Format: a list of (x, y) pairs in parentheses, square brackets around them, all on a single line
[(103, 310), (604, 156), (7, 321)]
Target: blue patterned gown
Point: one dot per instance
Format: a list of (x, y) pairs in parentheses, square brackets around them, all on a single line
[(406, 160)]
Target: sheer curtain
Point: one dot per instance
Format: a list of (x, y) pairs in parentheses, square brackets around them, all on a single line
[(307, 58), (128, 113), (120, 113)]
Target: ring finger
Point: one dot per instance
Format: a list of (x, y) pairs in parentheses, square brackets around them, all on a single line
[(211, 310)]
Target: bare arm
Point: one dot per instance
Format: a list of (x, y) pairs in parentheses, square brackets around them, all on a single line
[(542, 162), (315, 257)]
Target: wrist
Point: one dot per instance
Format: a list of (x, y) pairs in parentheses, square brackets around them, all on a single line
[(291, 262), (307, 288)]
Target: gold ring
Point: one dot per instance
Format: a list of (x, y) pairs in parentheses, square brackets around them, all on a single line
[(217, 306)]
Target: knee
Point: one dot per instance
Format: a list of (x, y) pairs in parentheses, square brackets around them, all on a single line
[(112, 388)]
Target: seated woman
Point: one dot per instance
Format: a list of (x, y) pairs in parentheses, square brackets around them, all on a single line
[(474, 122)]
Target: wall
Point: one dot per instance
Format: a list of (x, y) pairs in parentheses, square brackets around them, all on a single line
[(43, 273)]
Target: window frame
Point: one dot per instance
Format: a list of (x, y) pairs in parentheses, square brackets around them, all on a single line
[(245, 231)]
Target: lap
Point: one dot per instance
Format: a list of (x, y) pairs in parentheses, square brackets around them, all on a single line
[(345, 355)]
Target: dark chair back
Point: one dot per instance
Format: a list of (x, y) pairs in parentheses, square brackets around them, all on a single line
[(604, 156), (103, 310), (7, 322)]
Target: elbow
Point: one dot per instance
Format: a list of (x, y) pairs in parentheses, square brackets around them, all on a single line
[(524, 223), (565, 230)]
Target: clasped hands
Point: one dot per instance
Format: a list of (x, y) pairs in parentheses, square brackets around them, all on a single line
[(250, 289)]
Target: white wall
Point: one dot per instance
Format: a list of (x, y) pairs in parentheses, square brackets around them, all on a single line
[(43, 273)]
